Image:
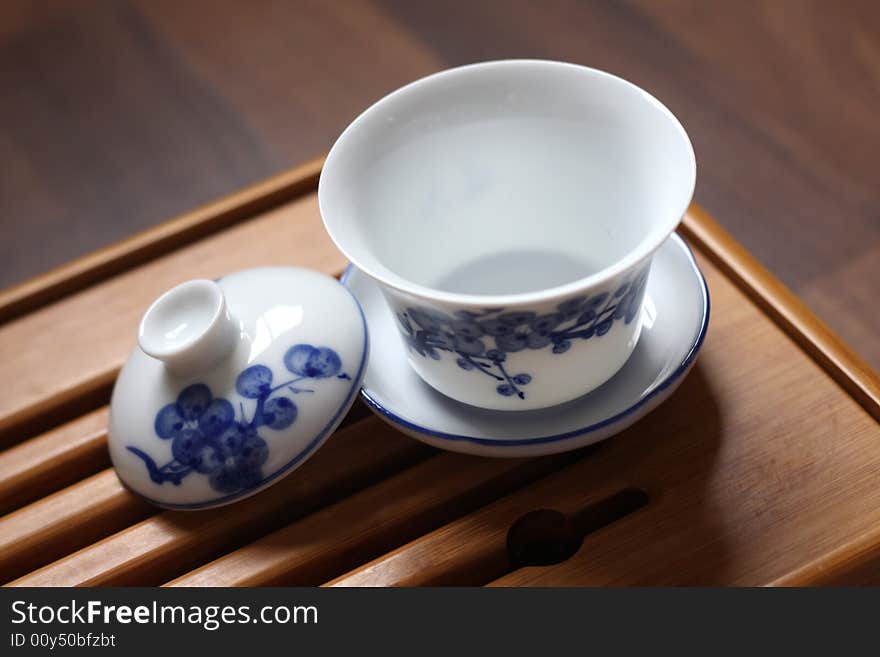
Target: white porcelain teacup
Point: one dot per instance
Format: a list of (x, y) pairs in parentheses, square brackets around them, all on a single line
[(509, 211)]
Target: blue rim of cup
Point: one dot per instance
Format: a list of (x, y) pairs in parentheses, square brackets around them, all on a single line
[(682, 369)]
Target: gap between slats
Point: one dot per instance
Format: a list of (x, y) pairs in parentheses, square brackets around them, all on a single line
[(43, 465), (61, 523)]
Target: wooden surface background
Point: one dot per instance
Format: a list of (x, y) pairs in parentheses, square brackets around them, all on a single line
[(117, 114)]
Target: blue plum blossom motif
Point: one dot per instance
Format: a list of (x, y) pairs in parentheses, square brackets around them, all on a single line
[(481, 341), (206, 438)]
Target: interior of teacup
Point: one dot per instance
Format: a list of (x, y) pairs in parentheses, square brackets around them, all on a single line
[(507, 178)]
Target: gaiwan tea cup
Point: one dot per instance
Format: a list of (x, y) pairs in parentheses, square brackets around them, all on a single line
[(509, 212)]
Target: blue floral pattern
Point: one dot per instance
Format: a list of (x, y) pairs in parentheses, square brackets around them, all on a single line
[(481, 341), (207, 438)]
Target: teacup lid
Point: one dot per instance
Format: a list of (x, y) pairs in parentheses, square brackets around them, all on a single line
[(235, 383)]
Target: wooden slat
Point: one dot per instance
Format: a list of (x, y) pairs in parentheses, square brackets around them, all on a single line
[(472, 550), (157, 241), (66, 521), (339, 537), (42, 465), (100, 323), (172, 542), (784, 308)]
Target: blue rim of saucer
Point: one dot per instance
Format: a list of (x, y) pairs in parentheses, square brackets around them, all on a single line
[(682, 368)]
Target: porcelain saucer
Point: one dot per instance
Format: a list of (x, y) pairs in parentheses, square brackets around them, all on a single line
[(674, 318)]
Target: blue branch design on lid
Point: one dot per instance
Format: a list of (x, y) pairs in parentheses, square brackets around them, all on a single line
[(206, 437), (482, 341)]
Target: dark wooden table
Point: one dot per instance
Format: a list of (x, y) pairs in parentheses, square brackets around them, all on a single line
[(117, 114), (761, 469)]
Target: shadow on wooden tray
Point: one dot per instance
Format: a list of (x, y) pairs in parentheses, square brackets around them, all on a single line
[(648, 481)]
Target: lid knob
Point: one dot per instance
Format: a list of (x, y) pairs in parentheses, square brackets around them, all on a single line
[(189, 328)]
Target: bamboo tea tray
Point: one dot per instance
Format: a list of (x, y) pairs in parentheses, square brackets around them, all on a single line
[(762, 469)]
